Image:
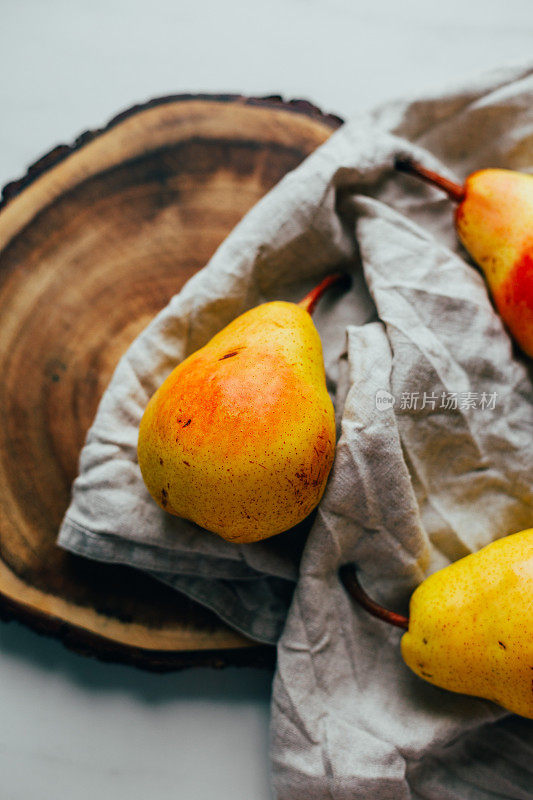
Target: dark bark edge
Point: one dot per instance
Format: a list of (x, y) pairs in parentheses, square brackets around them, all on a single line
[(90, 644), (62, 151)]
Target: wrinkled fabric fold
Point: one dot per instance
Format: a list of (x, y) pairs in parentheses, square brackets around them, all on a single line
[(434, 458)]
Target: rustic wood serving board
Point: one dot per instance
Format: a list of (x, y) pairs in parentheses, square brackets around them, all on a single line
[(94, 241)]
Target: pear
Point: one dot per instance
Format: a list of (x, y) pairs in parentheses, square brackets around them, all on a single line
[(240, 437), (470, 628), (494, 221)]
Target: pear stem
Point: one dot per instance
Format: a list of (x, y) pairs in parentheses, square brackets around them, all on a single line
[(454, 191), (310, 300), (348, 575)]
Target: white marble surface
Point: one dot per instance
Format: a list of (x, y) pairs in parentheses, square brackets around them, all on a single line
[(70, 727)]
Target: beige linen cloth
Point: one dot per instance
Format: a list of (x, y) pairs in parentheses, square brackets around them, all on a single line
[(434, 456)]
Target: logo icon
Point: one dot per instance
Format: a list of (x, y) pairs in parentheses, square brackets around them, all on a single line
[(384, 400)]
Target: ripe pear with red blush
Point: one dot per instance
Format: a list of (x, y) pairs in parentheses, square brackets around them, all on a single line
[(240, 437), (494, 221)]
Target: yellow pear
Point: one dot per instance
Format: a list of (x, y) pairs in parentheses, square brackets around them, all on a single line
[(240, 437), (494, 221), (470, 626)]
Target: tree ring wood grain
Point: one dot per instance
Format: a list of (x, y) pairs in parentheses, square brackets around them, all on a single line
[(94, 240)]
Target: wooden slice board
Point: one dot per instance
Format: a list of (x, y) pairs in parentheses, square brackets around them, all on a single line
[(94, 241)]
